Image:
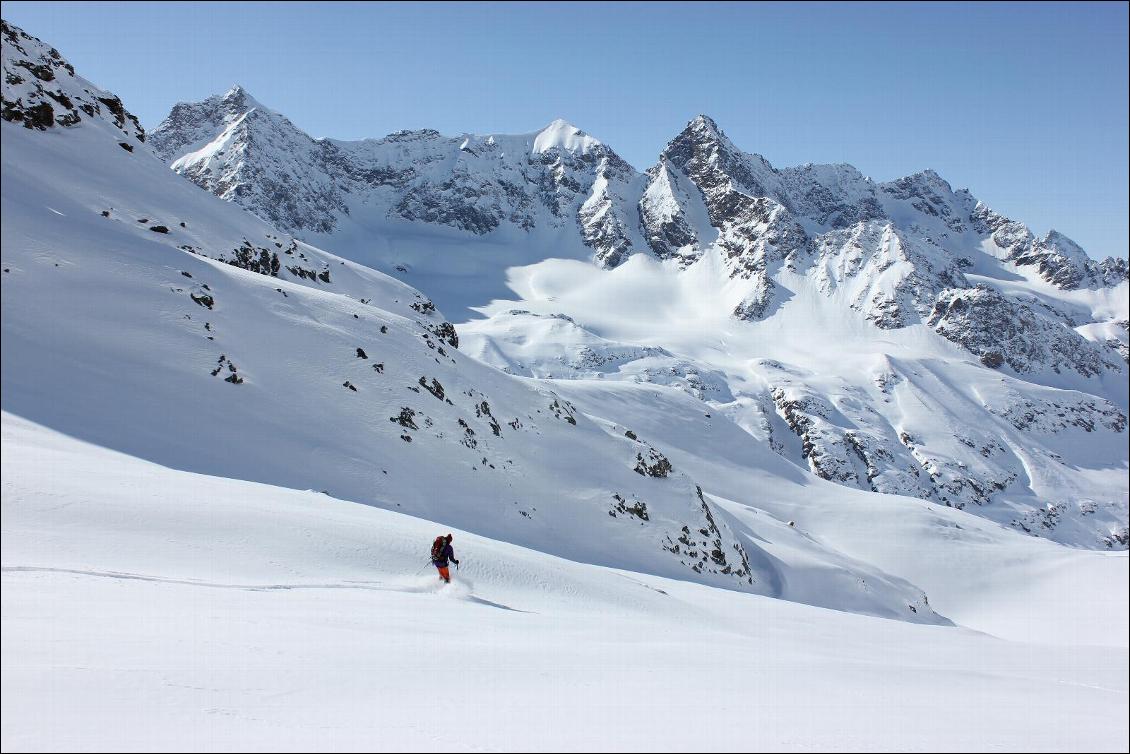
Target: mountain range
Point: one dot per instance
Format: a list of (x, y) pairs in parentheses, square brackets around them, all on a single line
[(935, 293)]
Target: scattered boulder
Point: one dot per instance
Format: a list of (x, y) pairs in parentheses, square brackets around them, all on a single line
[(445, 331), (435, 388), (256, 259), (655, 465), (563, 410), (203, 299), (406, 418), (638, 508), (233, 377), (468, 438), (483, 409)]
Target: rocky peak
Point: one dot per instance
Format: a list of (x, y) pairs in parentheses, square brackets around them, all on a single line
[(238, 99), (191, 125), (743, 197), (832, 196), (1063, 263), (1057, 258), (704, 152), (407, 136), (701, 135), (706, 128), (932, 196), (1064, 246)]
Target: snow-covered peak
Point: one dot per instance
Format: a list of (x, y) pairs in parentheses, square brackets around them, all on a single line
[(1064, 245), (238, 100), (561, 134), (239, 97), (235, 100)]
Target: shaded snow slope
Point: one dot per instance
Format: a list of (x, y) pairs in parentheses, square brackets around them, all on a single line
[(136, 612)]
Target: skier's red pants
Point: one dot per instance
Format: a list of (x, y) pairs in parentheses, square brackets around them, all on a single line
[(444, 573)]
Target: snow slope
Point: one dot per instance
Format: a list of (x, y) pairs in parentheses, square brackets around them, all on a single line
[(115, 333), (148, 608), (321, 374), (976, 572), (910, 413)]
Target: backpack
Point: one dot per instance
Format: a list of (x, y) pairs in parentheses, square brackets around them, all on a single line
[(438, 547)]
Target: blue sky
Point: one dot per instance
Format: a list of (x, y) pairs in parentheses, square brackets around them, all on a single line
[(1025, 104)]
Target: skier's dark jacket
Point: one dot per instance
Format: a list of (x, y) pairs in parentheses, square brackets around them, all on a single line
[(446, 554)]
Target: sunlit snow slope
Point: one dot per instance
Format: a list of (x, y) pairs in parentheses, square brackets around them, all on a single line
[(157, 609)]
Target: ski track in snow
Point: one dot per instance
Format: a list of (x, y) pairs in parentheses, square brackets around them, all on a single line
[(456, 589)]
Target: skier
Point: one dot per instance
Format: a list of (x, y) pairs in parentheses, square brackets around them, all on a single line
[(441, 553)]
